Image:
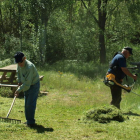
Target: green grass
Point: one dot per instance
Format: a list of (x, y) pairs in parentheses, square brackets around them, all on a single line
[(59, 113)]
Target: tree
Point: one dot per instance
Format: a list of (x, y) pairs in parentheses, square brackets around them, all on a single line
[(102, 16), (101, 21)]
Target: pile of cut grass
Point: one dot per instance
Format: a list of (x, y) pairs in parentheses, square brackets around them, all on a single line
[(104, 114)]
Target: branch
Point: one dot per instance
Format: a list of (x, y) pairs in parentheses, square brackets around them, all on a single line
[(114, 8), (91, 13)]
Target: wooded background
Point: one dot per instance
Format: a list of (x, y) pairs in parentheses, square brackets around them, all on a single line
[(52, 30)]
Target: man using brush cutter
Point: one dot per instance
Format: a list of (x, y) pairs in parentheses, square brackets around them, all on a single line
[(118, 71), (29, 83)]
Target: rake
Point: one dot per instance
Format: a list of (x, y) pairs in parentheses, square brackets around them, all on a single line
[(9, 120)]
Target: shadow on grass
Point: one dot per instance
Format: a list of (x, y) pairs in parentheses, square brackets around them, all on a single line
[(43, 93), (130, 113), (42, 129)]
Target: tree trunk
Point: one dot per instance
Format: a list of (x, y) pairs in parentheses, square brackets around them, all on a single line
[(102, 47), (102, 19)]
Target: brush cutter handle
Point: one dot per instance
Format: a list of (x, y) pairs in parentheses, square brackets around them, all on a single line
[(132, 86), (136, 75), (11, 107)]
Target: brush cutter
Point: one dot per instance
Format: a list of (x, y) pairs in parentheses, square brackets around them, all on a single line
[(109, 80), (8, 119), (135, 93), (132, 88)]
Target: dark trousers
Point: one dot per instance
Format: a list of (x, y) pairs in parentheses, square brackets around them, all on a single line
[(31, 96), (116, 93)]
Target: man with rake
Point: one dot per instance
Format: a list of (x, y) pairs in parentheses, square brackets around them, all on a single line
[(119, 70), (29, 83)]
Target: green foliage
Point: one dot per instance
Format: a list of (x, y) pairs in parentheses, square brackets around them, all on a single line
[(49, 31), (6, 92), (5, 62)]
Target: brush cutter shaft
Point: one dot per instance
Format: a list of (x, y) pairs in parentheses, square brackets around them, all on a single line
[(11, 107), (135, 93)]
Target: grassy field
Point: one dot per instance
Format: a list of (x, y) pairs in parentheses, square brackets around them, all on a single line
[(71, 92)]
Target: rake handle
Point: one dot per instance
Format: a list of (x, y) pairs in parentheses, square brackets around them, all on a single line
[(11, 107)]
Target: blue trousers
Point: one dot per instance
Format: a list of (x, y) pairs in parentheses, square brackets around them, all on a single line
[(30, 97)]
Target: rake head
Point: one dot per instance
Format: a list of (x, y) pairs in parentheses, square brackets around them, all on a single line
[(8, 120)]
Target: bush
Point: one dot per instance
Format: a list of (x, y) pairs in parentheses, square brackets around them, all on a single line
[(6, 92), (5, 62)]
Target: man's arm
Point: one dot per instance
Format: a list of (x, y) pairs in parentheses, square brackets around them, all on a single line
[(127, 72)]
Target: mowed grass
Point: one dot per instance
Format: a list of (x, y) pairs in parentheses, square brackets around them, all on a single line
[(58, 114)]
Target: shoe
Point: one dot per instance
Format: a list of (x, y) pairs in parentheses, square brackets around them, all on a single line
[(31, 125)]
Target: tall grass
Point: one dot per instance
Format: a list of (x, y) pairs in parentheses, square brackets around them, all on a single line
[(69, 73), (79, 68)]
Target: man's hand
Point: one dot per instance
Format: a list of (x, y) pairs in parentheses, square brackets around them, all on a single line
[(16, 93), (127, 72), (19, 84)]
